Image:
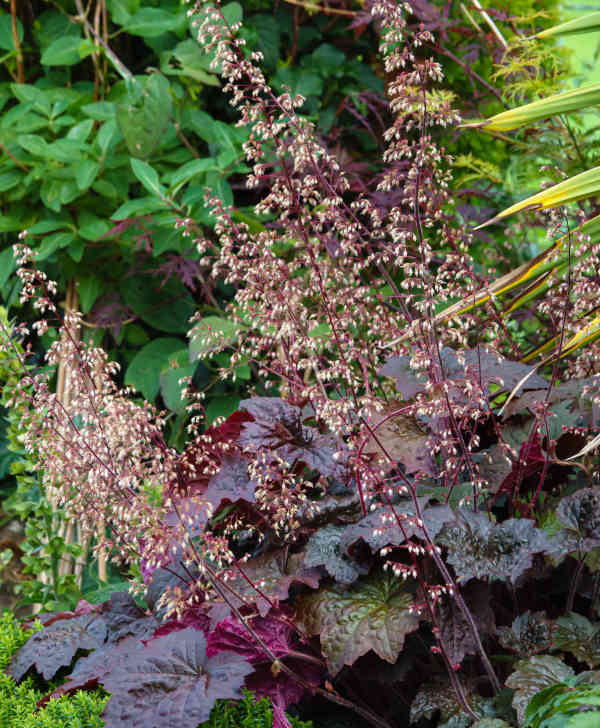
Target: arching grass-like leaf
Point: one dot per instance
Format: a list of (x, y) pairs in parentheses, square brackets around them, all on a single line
[(589, 23), (562, 103), (579, 187)]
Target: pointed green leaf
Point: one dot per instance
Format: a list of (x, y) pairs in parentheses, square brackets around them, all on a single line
[(562, 103), (586, 184), (375, 614), (589, 23), (148, 176)]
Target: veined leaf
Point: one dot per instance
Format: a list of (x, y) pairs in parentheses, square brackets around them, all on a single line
[(586, 24), (375, 614), (586, 184), (562, 103)]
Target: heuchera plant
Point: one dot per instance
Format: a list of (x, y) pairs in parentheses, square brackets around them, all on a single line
[(377, 521)]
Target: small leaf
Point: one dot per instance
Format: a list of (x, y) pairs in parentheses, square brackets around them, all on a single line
[(439, 696), (85, 173), (529, 634), (374, 614), (212, 334), (148, 176), (580, 515), (323, 549)]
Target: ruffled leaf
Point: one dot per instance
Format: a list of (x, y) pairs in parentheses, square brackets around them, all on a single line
[(478, 548), (529, 634), (374, 614), (580, 637), (323, 549), (533, 675)]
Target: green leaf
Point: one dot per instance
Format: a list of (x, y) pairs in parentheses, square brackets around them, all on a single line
[(66, 51), (8, 223), (533, 675), (81, 131), (7, 42), (85, 173), (89, 287), (374, 614), (562, 103), (589, 23), (190, 170), (166, 306), (122, 10), (100, 111), (49, 225), (152, 22), (52, 243), (143, 373), (144, 114), (212, 333), (90, 227), (10, 179), (7, 265), (221, 407), (137, 208), (170, 375), (189, 60), (148, 176), (35, 145)]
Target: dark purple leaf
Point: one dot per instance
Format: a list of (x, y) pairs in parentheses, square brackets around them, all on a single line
[(399, 439), (231, 483), (478, 548), (171, 683), (282, 690), (381, 528), (277, 425), (124, 618), (455, 632), (89, 670), (196, 617), (231, 635), (275, 573), (55, 646)]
